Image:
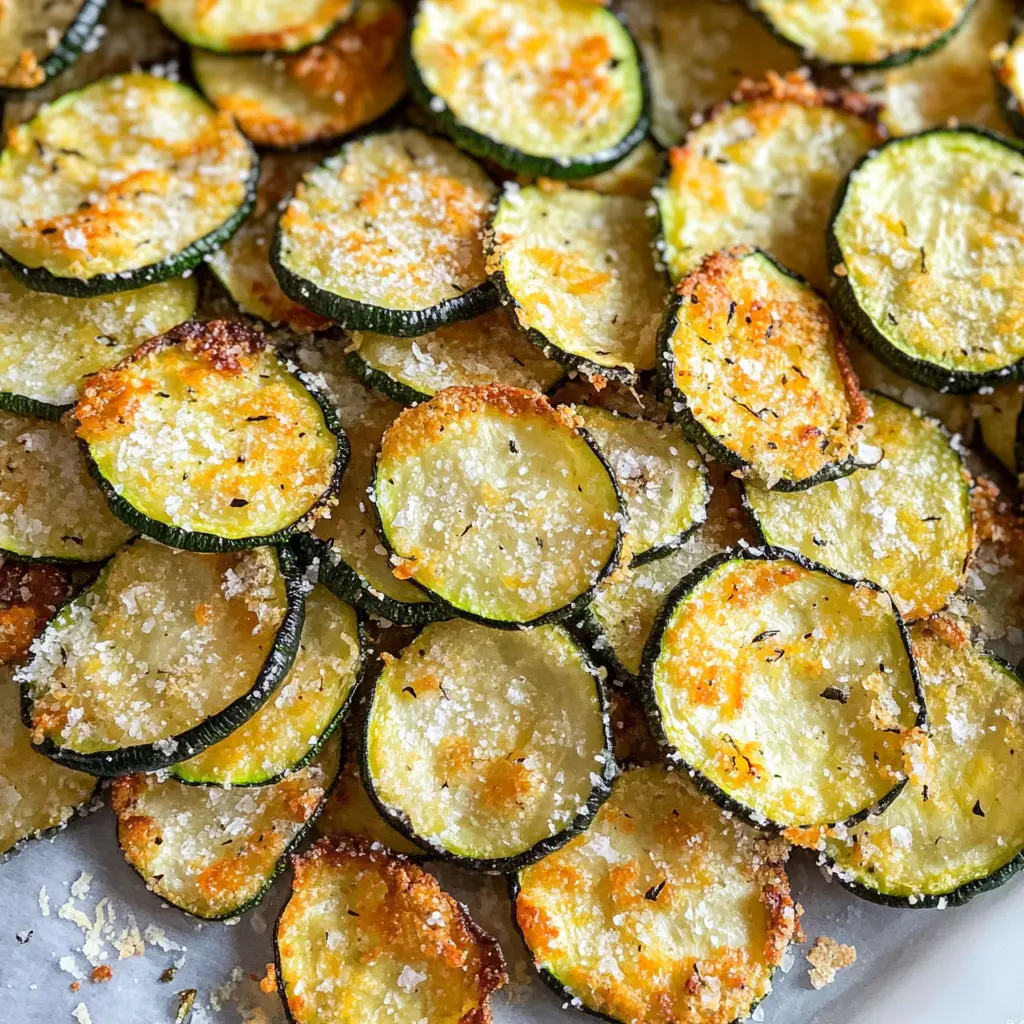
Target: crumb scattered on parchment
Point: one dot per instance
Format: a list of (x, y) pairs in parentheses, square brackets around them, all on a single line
[(268, 983), (100, 974), (826, 957), (81, 1014)]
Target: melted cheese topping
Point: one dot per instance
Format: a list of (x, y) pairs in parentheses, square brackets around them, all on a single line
[(758, 358), (29, 33), (527, 518), (554, 78), (904, 523), (162, 641), (580, 268), (788, 689), (367, 938), (663, 911), (122, 174), (350, 79), (932, 237), (998, 417)]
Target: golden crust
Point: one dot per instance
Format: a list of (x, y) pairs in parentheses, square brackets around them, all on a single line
[(29, 596)]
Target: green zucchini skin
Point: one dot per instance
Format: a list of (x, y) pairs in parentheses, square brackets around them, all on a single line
[(145, 757), (22, 405)]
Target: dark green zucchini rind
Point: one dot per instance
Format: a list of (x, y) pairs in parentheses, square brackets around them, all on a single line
[(214, 853), (453, 791), (855, 706), (957, 829), (1008, 68), (897, 261), (76, 714), (1001, 424), (754, 366), (597, 108), (386, 236), (73, 240), (227, 447)]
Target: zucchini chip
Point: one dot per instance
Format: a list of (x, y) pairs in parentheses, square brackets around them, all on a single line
[(577, 269), (904, 522), (1001, 425), (227, 26), (756, 367), (664, 871), (527, 521), (386, 236), (213, 852), (49, 345), (788, 691), (38, 41), (206, 440), (350, 79), (166, 653), (957, 829), (366, 929), (864, 33), (50, 506), (505, 738), (86, 212), (543, 87), (1008, 65), (660, 475), (488, 350), (764, 169), (301, 714), (39, 797), (928, 257)]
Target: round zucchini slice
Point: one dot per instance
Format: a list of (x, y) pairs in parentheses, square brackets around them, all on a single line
[(213, 852), (957, 829), (904, 522), (301, 714), (166, 653), (349, 80), (664, 871), (487, 747), (928, 258), (660, 476), (206, 440), (488, 350), (543, 87), (522, 521), (864, 33), (38, 41), (50, 506), (755, 365), (578, 271), (386, 236), (788, 691), (365, 928), (1001, 424), (763, 170), (1008, 65), (86, 212)]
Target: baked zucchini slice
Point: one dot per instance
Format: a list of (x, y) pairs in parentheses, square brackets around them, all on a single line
[(365, 928), (543, 87), (345, 82), (904, 523), (301, 714), (213, 852), (166, 653), (660, 475), (788, 691), (487, 747), (755, 365), (1008, 66), (206, 440), (38, 41), (386, 236), (906, 217), (864, 33), (1002, 426), (763, 169), (488, 350), (664, 910), (50, 506), (86, 212), (578, 271), (527, 523), (957, 829)]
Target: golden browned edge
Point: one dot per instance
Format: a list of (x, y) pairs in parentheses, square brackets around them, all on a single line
[(23, 618)]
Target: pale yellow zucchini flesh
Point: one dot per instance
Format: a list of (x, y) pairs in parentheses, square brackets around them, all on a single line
[(30, 33)]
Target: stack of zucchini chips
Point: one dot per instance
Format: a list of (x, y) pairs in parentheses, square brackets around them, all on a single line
[(528, 434)]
